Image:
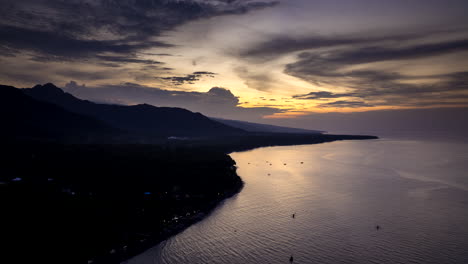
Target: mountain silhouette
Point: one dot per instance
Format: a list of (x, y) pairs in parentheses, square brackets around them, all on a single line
[(257, 127), (142, 119), (26, 118)]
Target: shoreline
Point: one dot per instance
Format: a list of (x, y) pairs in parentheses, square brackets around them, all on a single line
[(105, 203), (101, 203), (175, 230)]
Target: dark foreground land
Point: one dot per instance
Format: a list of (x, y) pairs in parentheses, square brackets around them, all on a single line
[(82, 182), (75, 203), (90, 203)]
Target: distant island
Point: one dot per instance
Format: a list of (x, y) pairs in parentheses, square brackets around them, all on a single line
[(97, 183)]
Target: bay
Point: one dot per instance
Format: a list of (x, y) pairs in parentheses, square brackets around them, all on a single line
[(416, 192)]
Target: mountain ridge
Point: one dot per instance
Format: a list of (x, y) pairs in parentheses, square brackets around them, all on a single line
[(142, 119), (258, 127), (25, 117)]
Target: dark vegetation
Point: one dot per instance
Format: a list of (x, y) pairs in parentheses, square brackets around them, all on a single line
[(75, 203), (77, 185), (249, 141), (23, 117)]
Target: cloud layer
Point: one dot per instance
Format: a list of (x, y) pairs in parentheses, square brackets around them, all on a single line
[(73, 29), (217, 102), (100, 35), (301, 56), (189, 78), (363, 72)]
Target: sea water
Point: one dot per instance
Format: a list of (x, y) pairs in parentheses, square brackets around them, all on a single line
[(371, 201)]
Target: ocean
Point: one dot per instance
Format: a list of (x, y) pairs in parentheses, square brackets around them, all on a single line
[(371, 201)]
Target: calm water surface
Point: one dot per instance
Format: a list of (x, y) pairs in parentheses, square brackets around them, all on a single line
[(417, 192)]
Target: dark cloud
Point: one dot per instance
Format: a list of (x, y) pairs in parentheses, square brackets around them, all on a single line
[(79, 29), (223, 96), (157, 54), (329, 63), (452, 91), (379, 87), (257, 81), (376, 53), (321, 95), (346, 104), (280, 45), (204, 73), (323, 58), (372, 87), (124, 59), (189, 78), (56, 46), (217, 102)]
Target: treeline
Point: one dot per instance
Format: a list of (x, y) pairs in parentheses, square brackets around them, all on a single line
[(252, 140), (104, 203)]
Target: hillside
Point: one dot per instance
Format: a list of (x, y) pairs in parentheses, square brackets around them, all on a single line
[(26, 118), (256, 127), (142, 119)]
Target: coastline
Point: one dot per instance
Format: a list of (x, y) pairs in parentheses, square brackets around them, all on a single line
[(256, 225), (115, 204), (228, 144), (125, 255), (105, 203), (174, 230)]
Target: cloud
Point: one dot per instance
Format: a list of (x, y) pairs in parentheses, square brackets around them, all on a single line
[(284, 44), (79, 29), (258, 81), (369, 68), (328, 63), (189, 78), (321, 95), (382, 53), (217, 102), (281, 45), (452, 91), (48, 45), (379, 86), (346, 104), (124, 59)]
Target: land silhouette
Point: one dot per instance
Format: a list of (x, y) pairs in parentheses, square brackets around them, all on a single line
[(97, 183)]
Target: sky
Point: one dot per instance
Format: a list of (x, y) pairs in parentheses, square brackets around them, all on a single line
[(296, 62)]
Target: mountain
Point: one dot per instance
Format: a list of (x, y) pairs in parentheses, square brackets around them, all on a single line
[(255, 127), (142, 119), (26, 118)]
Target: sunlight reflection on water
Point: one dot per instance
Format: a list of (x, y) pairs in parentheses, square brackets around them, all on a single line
[(338, 192)]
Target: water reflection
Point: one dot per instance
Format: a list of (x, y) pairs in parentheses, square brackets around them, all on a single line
[(339, 192)]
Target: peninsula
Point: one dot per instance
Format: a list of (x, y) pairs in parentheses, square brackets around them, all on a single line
[(95, 187)]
